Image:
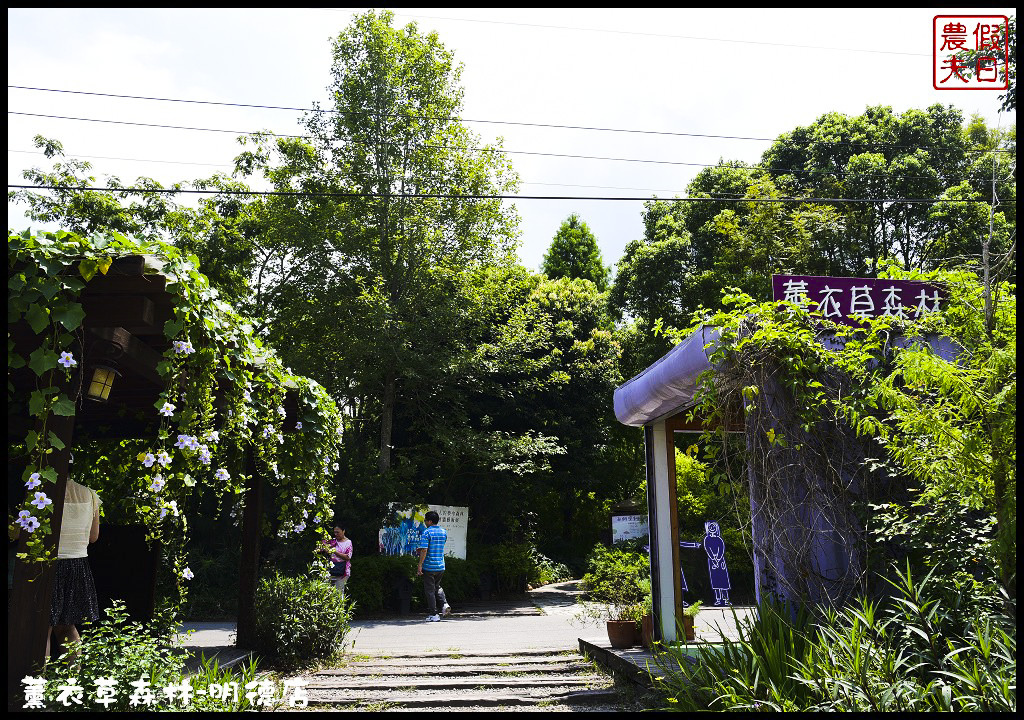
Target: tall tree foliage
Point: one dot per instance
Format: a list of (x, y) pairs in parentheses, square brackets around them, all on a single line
[(389, 266), (753, 221), (574, 254)]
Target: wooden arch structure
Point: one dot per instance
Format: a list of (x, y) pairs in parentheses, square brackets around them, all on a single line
[(125, 314)]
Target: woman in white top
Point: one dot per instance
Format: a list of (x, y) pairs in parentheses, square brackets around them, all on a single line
[(74, 592)]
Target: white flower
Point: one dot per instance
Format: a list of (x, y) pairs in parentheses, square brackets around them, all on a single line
[(158, 483), (33, 481), (222, 475), (41, 500), (173, 507), (298, 424), (336, 466), (280, 439), (163, 458), (150, 459), (67, 360), (187, 574), (167, 410), (281, 411), (212, 436)]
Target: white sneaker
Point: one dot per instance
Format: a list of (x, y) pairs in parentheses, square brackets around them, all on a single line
[(446, 610), (433, 618)]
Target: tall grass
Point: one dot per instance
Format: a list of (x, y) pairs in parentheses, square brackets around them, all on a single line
[(921, 649)]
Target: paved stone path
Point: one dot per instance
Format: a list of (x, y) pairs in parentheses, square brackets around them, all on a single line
[(548, 680), (517, 654)]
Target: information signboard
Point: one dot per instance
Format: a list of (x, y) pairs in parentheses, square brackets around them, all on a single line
[(628, 527), (402, 535)]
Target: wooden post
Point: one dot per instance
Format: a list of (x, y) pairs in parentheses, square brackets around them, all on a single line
[(249, 569), (28, 615)]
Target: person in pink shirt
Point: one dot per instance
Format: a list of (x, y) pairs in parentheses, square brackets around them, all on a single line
[(340, 551)]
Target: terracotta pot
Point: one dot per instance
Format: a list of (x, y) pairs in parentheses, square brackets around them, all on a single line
[(622, 633), (647, 631), (688, 628)]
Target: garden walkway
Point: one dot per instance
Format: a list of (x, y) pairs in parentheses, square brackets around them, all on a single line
[(524, 653)]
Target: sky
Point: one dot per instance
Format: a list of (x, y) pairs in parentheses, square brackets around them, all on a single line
[(750, 73)]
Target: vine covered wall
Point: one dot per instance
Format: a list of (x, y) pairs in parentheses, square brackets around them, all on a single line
[(220, 415), (846, 426)]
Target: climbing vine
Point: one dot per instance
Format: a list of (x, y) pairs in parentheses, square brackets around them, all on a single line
[(223, 396), (841, 421)]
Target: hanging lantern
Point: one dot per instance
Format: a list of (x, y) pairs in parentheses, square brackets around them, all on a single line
[(101, 383)]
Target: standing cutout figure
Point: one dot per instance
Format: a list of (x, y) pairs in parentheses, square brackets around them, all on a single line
[(714, 546)]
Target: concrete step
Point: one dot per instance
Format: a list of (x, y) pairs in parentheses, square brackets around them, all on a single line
[(453, 683), (456, 654), (536, 680), (458, 669), (483, 699)]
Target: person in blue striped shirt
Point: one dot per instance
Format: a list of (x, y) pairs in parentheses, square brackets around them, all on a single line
[(431, 566)]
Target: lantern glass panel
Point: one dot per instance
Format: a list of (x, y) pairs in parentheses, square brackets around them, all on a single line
[(102, 382)]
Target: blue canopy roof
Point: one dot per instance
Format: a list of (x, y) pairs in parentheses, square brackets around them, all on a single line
[(669, 385)]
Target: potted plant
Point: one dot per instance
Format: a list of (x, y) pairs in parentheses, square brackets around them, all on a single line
[(613, 592), (689, 614)]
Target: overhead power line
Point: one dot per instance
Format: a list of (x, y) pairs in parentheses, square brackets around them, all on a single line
[(786, 171), (666, 133), (429, 117), (451, 196), (526, 182)]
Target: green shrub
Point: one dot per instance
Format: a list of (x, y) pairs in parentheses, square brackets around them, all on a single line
[(544, 570), (511, 564), (616, 575), (507, 568), (299, 620), (373, 586), (912, 652), (462, 578), (125, 651)]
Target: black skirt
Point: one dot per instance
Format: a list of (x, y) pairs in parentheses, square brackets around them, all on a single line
[(74, 593)]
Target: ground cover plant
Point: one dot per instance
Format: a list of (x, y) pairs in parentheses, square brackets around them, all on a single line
[(918, 650), (127, 652)]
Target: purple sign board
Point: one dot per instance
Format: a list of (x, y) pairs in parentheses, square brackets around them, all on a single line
[(849, 300)]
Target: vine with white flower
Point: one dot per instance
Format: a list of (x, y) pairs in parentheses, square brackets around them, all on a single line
[(223, 397)]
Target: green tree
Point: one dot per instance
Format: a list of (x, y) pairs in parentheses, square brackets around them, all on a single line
[(380, 272), (742, 224), (574, 254)]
